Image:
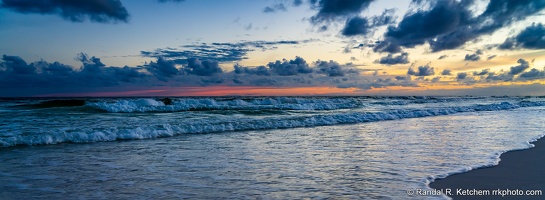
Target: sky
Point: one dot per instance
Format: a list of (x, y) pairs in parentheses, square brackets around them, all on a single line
[(272, 47)]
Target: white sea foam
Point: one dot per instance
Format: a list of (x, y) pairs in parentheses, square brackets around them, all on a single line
[(211, 125), (185, 104)]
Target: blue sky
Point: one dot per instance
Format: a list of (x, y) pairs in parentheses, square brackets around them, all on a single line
[(329, 47)]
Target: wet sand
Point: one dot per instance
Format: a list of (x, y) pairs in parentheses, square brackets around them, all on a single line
[(518, 170)]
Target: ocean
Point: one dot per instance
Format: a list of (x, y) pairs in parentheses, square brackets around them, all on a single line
[(253, 147)]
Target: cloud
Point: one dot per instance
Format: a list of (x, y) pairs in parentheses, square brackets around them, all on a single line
[(472, 57), (425, 70), (163, 69), (260, 71), (16, 65), (502, 76), (202, 68), (532, 37), (331, 10), (450, 24), (461, 76), (356, 26), (220, 52), (491, 57), (390, 59), (533, 74), (364, 25), (275, 8), (442, 57), (21, 78), (482, 73), (291, 67), (446, 72), (523, 65), (333, 68), (102, 11), (17, 73)]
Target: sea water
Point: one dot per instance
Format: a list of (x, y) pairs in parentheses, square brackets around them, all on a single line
[(253, 147)]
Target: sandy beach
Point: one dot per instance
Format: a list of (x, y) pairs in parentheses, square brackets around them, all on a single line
[(518, 172)]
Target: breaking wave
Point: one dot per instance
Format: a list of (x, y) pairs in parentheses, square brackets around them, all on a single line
[(213, 125)]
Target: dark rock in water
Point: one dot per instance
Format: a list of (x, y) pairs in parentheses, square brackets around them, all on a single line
[(167, 101), (59, 103)]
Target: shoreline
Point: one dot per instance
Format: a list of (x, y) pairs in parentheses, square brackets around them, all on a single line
[(518, 171)]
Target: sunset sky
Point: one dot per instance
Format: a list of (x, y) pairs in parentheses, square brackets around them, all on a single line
[(271, 47)]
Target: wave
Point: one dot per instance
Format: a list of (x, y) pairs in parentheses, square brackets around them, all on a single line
[(244, 124), (191, 104)]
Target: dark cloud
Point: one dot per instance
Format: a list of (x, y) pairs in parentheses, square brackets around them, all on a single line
[(533, 74), (330, 10), (461, 75), (221, 52), (446, 72), (16, 65), (450, 24), (333, 68), (523, 65), (163, 69), (491, 57), (532, 37), (16, 73), (472, 57), (481, 73), (202, 68), (390, 59), (102, 11), (291, 67), (127, 74), (442, 57), (425, 70), (364, 25), (275, 8), (356, 26), (501, 76), (260, 71), (330, 68), (42, 77)]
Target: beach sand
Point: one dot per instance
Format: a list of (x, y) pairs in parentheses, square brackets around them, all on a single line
[(518, 170)]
